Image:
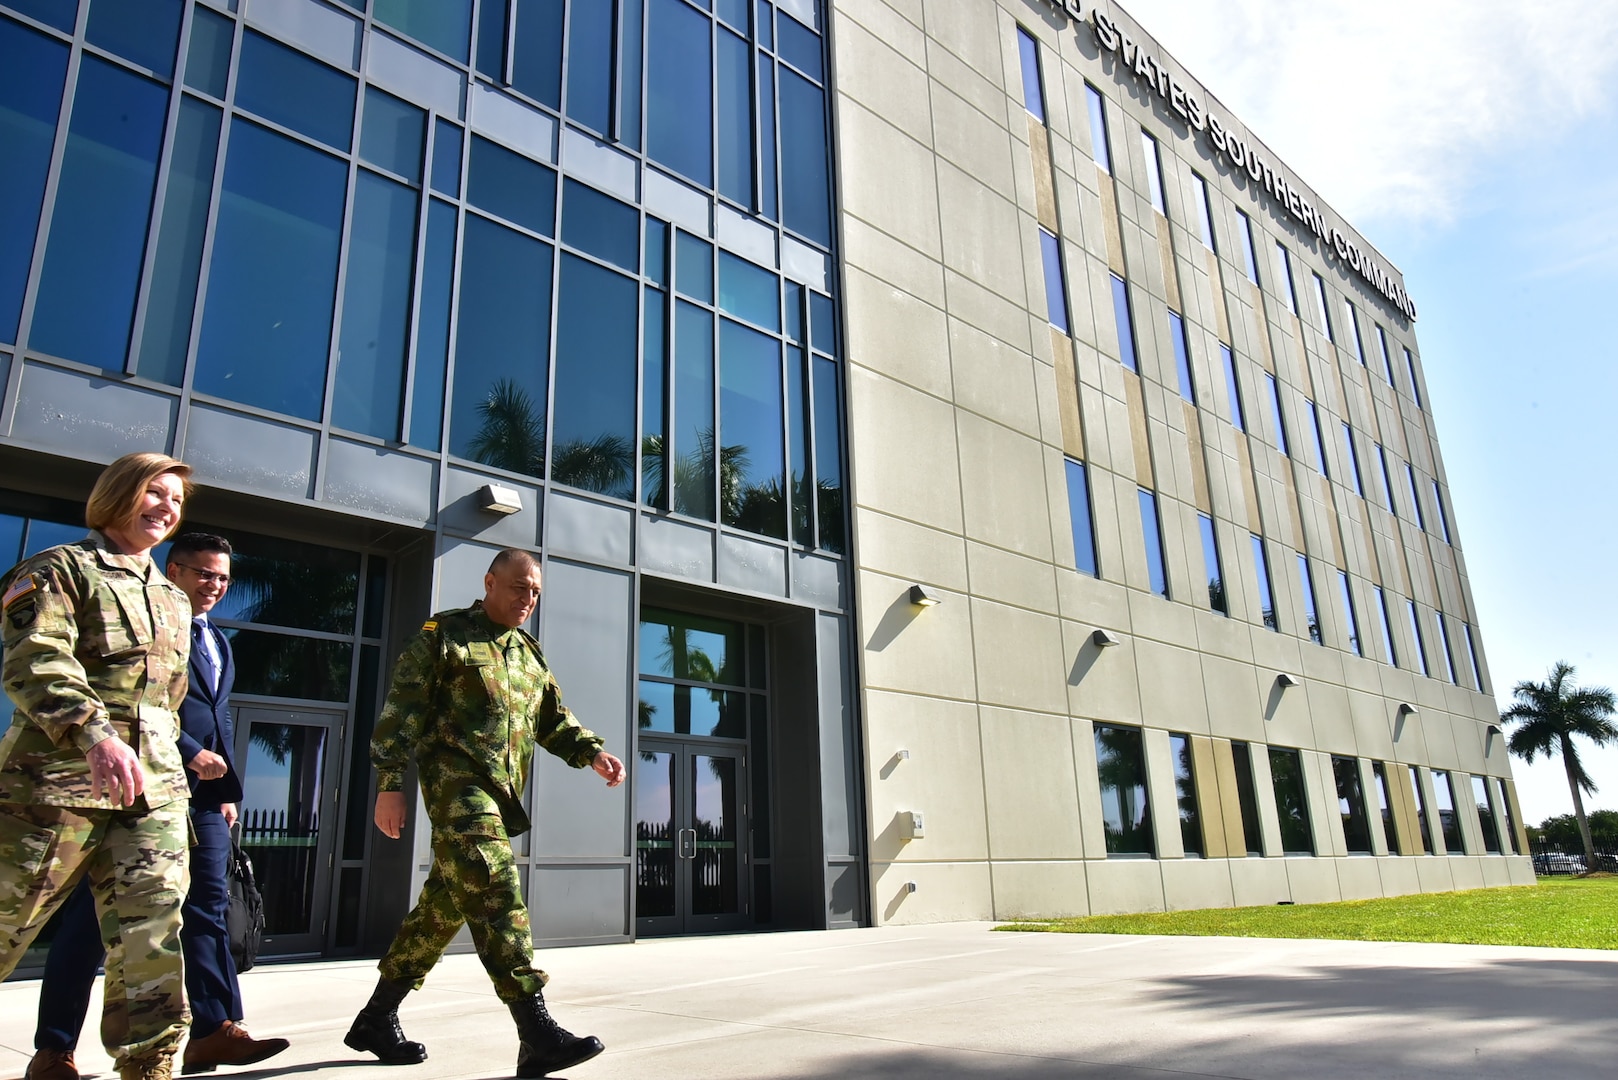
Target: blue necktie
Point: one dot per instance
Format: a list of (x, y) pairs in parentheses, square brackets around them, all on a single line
[(203, 655)]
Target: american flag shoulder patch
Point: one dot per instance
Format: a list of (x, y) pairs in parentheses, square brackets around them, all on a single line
[(19, 589)]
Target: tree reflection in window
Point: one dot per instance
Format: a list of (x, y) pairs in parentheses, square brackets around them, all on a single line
[(678, 650), (1126, 816)]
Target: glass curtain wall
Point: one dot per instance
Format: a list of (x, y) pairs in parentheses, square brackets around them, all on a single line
[(301, 243)]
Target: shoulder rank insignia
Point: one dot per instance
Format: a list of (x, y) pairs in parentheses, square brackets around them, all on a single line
[(429, 626), (19, 589)]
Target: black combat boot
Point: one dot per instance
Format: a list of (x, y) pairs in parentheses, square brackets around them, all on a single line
[(546, 1045), (376, 1029)]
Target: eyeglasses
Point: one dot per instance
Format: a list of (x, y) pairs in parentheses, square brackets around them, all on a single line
[(207, 577)]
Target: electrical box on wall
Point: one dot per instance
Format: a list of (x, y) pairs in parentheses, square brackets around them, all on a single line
[(912, 825)]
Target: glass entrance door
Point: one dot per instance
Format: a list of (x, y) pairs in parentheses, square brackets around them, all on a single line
[(288, 819), (691, 860)]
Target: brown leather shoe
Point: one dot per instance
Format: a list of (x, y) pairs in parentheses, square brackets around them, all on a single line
[(230, 1045), (52, 1065)]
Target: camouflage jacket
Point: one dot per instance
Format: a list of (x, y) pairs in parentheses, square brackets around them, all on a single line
[(96, 646), (472, 699)]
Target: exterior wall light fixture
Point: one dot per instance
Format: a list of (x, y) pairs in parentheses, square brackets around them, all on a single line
[(1286, 679), (497, 499), (1102, 639), (922, 596)]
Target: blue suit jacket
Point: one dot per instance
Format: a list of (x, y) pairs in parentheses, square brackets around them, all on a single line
[(205, 724)]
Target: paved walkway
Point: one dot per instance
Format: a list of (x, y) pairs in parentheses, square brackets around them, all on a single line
[(957, 1000)]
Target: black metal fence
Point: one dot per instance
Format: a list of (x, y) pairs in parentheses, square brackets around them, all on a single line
[(1554, 859)]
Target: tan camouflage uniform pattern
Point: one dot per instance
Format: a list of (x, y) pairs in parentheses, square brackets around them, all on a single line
[(95, 647), (472, 699)]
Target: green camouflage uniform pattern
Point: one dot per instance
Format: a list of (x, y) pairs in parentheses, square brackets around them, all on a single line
[(95, 647), (472, 699)]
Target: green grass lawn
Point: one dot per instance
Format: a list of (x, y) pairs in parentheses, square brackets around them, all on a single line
[(1571, 913)]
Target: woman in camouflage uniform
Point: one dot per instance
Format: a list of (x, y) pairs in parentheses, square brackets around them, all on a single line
[(91, 783)]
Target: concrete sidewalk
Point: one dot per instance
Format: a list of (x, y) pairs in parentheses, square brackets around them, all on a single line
[(957, 1000)]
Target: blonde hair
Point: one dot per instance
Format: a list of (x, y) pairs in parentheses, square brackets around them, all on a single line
[(118, 491)]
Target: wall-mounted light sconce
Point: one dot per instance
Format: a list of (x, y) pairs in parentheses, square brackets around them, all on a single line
[(1489, 734), (1407, 709), (922, 596), (1101, 639), (910, 886), (1286, 679), (912, 825), (497, 499), (902, 755)]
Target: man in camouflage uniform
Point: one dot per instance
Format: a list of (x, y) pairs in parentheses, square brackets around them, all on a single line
[(473, 697), (96, 645)]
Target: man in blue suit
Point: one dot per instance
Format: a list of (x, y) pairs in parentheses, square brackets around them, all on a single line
[(198, 563)]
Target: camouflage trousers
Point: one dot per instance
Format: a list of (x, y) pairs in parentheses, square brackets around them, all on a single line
[(137, 863), (473, 881)]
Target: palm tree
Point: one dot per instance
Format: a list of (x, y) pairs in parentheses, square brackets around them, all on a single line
[(1550, 714), (511, 435)]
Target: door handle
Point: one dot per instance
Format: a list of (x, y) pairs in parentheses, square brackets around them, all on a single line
[(686, 839)]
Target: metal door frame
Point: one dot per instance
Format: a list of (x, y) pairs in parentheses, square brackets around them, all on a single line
[(683, 921)]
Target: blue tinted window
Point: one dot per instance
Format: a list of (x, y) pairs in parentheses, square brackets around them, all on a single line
[(1249, 256), (679, 89), (630, 68), (145, 33), (749, 292), (1351, 620), (1306, 584), (733, 13), (805, 190), (61, 14), (1182, 357), (1387, 481), (446, 175), (510, 185), (693, 267), (1320, 438), (751, 430), (1387, 626), (1276, 415), (172, 297), (593, 441), (376, 308), (291, 89), (1353, 460), (491, 50), (394, 134), (445, 25), (1284, 267), (1415, 496), (1354, 325), (1415, 387), (1266, 598), (207, 59), (823, 328), (272, 280), (1322, 309), (602, 226), (766, 137), (735, 119), (31, 83), (589, 65), (1416, 636), (798, 444), (1154, 172), (1050, 249), (657, 250), (1449, 650), (693, 450), (536, 63), (1387, 358), (1080, 517), (1238, 416), (796, 329), (1099, 148), (1152, 533), (502, 349), (98, 227), (1204, 211), (1033, 93), (1217, 598), (432, 329), (1472, 655), (10, 529), (1126, 812), (654, 401), (800, 47), (828, 454), (1125, 322), (766, 24), (1443, 518)]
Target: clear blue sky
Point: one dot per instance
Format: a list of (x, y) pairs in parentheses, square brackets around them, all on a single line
[(1475, 144)]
